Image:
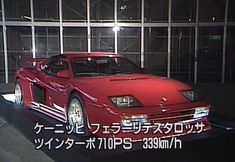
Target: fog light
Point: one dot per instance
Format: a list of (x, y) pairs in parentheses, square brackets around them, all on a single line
[(201, 112), (134, 120)]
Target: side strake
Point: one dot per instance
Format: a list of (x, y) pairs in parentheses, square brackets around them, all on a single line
[(52, 112)]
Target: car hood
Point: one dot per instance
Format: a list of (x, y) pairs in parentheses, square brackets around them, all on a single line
[(149, 90)]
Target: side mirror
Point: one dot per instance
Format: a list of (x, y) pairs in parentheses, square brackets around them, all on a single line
[(64, 74), (144, 70)]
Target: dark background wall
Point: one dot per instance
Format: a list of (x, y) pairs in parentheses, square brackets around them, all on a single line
[(154, 44)]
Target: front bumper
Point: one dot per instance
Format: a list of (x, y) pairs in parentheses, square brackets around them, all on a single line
[(178, 120)]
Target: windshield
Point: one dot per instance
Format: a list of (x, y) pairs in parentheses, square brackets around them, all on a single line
[(103, 66)]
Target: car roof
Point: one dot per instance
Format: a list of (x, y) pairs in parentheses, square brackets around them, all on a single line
[(87, 54)]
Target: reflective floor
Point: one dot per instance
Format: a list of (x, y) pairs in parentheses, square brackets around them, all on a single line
[(215, 145)]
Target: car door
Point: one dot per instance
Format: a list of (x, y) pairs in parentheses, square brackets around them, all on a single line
[(56, 86)]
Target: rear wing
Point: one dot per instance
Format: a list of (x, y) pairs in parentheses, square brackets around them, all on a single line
[(35, 62)]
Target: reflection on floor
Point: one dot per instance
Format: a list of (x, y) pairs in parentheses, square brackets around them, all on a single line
[(14, 147), (200, 147), (9, 97)]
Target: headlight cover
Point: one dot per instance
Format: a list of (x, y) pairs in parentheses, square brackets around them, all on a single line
[(192, 95), (125, 101)]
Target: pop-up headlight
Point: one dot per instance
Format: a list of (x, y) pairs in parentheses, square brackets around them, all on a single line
[(192, 95), (125, 101)]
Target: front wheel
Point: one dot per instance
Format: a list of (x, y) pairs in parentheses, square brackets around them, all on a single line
[(18, 94), (76, 115)]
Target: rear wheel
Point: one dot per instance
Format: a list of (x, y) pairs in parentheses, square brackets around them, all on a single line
[(76, 115), (18, 94)]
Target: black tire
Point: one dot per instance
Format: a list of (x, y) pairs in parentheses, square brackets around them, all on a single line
[(76, 97), (19, 97)]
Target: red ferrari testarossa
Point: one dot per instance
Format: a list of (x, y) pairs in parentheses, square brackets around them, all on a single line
[(105, 89)]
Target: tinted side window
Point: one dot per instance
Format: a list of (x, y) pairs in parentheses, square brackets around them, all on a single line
[(55, 66)]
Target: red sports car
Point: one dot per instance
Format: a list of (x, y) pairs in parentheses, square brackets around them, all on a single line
[(108, 95)]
